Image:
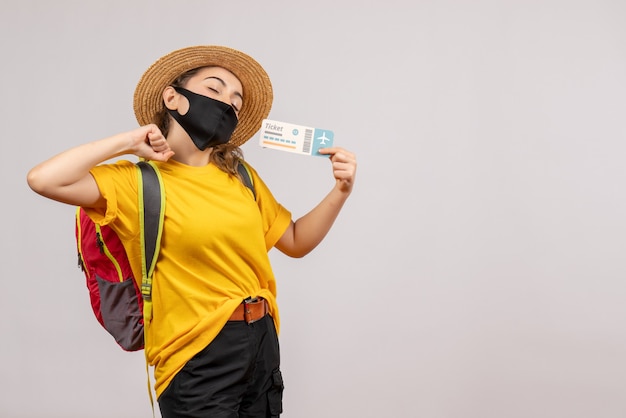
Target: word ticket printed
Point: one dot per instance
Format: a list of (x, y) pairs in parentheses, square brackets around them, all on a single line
[(294, 138)]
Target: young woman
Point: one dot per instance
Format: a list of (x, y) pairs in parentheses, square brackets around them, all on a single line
[(196, 106)]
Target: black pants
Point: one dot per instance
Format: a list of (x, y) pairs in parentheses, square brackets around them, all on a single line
[(236, 376)]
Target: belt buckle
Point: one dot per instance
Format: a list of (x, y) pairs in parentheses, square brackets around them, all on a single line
[(247, 313)]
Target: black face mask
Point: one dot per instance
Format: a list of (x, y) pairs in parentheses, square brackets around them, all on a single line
[(208, 122)]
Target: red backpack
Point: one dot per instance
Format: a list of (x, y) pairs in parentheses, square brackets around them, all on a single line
[(119, 304), (116, 299)]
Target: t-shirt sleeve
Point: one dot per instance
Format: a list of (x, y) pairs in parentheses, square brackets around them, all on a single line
[(118, 185), (275, 217)]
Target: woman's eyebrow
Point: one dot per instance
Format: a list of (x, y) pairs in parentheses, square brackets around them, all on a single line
[(216, 78), (223, 83)]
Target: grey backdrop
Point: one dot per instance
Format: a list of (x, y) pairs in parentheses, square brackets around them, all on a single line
[(477, 270)]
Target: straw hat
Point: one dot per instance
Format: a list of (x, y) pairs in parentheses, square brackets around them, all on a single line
[(257, 88)]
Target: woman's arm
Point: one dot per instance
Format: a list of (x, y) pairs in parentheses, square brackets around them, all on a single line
[(65, 177), (308, 231)]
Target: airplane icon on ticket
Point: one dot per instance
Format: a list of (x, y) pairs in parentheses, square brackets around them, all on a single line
[(323, 138)]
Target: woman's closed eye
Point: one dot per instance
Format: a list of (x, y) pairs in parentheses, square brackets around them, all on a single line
[(217, 92)]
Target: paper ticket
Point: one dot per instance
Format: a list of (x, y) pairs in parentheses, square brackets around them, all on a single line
[(294, 138)]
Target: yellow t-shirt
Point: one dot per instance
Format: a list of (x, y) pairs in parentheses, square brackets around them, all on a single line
[(214, 253)]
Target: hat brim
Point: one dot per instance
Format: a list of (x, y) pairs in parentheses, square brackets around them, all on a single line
[(257, 88)]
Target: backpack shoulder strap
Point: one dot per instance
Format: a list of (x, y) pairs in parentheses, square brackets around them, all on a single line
[(244, 172), (151, 212)]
